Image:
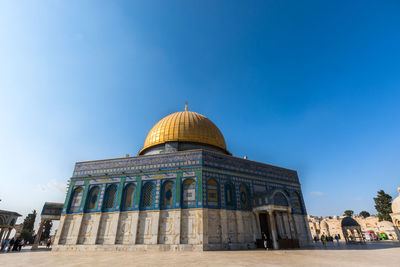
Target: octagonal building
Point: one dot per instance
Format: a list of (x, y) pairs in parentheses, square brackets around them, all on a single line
[(184, 191)]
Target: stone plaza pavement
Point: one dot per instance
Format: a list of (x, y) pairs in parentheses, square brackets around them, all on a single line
[(370, 254)]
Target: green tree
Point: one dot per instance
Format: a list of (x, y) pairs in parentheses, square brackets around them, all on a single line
[(383, 205), (27, 232), (364, 214), (348, 213), (46, 230)]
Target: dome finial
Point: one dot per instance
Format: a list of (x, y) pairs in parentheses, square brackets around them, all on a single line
[(186, 106)]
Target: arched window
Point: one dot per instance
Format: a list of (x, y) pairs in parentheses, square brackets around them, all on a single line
[(12, 223), (91, 202), (212, 193), (2, 220), (280, 199), (129, 194), (76, 199), (188, 193), (147, 195), (109, 199), (167, 194), (229, 195), (244, 197)]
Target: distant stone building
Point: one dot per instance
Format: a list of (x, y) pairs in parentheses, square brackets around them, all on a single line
[(396, 212), (7, 223), (184, 191), (332, 225)]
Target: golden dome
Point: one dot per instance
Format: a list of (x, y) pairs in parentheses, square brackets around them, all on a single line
[(185, 126)]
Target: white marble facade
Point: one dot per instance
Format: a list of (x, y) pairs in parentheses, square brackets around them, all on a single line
[(183, 229)]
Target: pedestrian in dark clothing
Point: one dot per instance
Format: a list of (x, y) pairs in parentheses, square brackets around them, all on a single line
[(337, 239), (4, 244), (323, 239), (265, 239), (20, 244), (11, 244), (16, 243)]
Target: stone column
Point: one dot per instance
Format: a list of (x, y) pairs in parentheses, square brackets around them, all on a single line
[(76, 227), (38, 235), (255, 222), (134, 226), (96, 228), (8, 233), (292, 226), (307, 230), (1, 234), (282, 225), (240, 226), (114, 226), (224, 226), (60, 229), (204, 226), (286, 222), (154, 226), (273, 229), (278, 225), (177, 226)]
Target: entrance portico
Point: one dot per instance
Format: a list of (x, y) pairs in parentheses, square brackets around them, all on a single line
[(51, 211), (278, 224), (7, 223)]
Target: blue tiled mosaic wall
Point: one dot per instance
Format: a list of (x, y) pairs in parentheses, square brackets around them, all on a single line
[(262, 180)]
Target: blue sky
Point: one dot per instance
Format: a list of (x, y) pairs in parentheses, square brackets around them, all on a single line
[(308, 85)]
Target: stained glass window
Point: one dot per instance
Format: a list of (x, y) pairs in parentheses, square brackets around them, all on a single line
[(229, 197), (189, 193), (147, 194), (76, 199), (92, 198), (212, 192), (244, 199), (129, 194), (110, 195), (167, 194)]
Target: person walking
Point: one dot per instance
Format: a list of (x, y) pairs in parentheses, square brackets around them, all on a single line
[(4, 244), (11, 244), (337, 239), (265, 239), (21, 244), (16, 243), (323, 239)]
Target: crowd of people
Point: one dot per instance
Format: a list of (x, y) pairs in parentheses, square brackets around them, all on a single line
[(327, 238), (13, 244), (16, 244)]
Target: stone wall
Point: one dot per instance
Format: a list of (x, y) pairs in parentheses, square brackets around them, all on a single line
[(332, 226), (183, 229), (133, 230)]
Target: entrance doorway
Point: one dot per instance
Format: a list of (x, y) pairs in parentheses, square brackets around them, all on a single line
[(265, 228), (264, 224)]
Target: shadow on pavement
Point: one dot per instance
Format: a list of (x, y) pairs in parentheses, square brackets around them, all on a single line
[(357, 246)]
